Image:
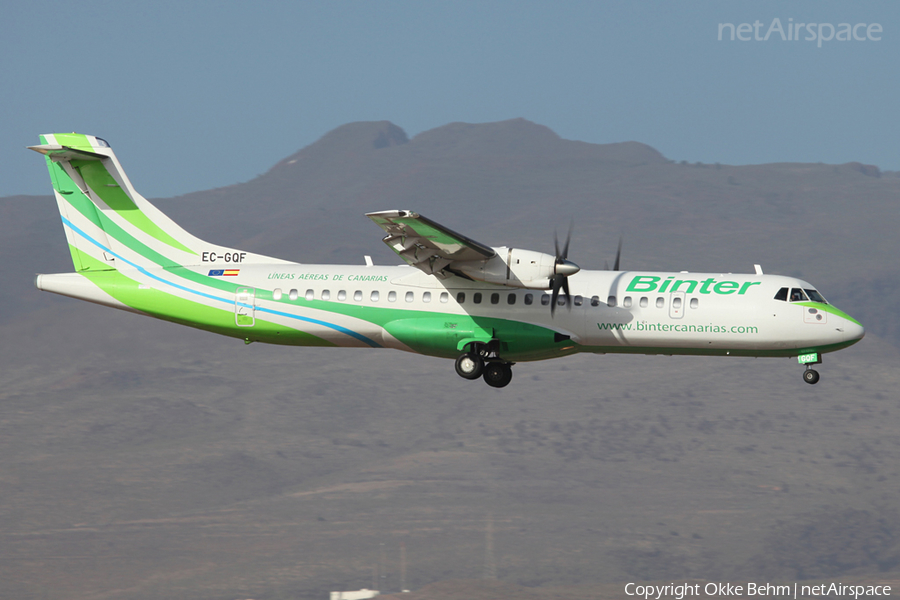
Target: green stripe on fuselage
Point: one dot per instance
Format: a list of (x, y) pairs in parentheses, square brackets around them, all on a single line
[(169, 307), (829, 309), (85, 262), (440, 335)]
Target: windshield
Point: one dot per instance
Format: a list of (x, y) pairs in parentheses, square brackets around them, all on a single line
[(797, 295), (816, 296)]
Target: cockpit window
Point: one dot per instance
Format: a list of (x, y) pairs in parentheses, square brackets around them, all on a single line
[(798, 295), (102, 143), (782, 294), (816, 296)]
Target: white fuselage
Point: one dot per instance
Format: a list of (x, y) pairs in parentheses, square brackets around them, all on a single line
[(611, 311)]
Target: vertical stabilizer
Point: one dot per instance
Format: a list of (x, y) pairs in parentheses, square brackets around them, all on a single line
[(108, 224)]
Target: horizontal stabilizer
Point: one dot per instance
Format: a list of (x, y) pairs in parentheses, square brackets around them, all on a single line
[(57, 152)]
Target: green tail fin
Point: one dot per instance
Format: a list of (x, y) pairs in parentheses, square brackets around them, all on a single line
[(108, 224)]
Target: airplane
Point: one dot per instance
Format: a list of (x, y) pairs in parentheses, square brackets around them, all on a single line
[(487, 308)]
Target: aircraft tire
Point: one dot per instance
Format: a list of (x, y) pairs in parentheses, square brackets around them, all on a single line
[(469, 366), (497, 374), (811, 376)]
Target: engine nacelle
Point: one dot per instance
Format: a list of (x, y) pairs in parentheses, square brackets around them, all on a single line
[(516, 268)]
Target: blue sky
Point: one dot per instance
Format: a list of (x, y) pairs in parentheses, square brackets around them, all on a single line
[(196, 95)]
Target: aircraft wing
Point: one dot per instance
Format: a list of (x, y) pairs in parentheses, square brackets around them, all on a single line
[(425, 244)]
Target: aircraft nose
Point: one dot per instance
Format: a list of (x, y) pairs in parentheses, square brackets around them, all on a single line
[(854, 331)]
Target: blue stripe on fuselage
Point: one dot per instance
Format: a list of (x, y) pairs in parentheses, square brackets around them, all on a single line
[(334, 326)]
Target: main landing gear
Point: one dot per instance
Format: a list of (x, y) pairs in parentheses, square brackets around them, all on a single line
[(484, 363)]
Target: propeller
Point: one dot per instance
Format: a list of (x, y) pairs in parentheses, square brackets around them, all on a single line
[(561, 271), (618, 257)]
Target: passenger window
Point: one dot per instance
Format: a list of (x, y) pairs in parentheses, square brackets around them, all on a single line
[(676, 302), (560, 300), (357, 296), (426, 297), (511, 299), (461, 297), (310, 294), (410, 296), (445, 297), (529, 298), (342, 295), (797, 295), (375, 296), (579, 300), (476, 297), (326, 294), (782, 294), (611, 301), (392, 296), (694, 303), (293, 294), (276, 294), (816, 296), (644, 302), (545, 299), (595, 300), (660, 302), (627, 302), (495, 298)]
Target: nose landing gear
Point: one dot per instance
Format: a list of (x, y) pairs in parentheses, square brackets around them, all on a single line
[(810, 375)]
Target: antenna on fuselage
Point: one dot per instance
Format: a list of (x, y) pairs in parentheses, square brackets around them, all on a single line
[(758, 269)]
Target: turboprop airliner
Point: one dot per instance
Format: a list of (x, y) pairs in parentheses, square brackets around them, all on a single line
[(485, 307)]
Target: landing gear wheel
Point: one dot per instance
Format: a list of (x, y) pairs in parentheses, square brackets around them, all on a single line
[(811, 376), (497, 374), (469, 366)]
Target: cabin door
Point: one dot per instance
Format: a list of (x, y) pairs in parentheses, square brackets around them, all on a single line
[(245, 307)]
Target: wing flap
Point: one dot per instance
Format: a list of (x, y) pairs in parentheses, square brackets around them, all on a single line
[(425, 244)]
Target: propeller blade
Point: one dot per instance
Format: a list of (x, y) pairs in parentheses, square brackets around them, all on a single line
[(556, 283), (561, 271), (618, 256), (565, 252)]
